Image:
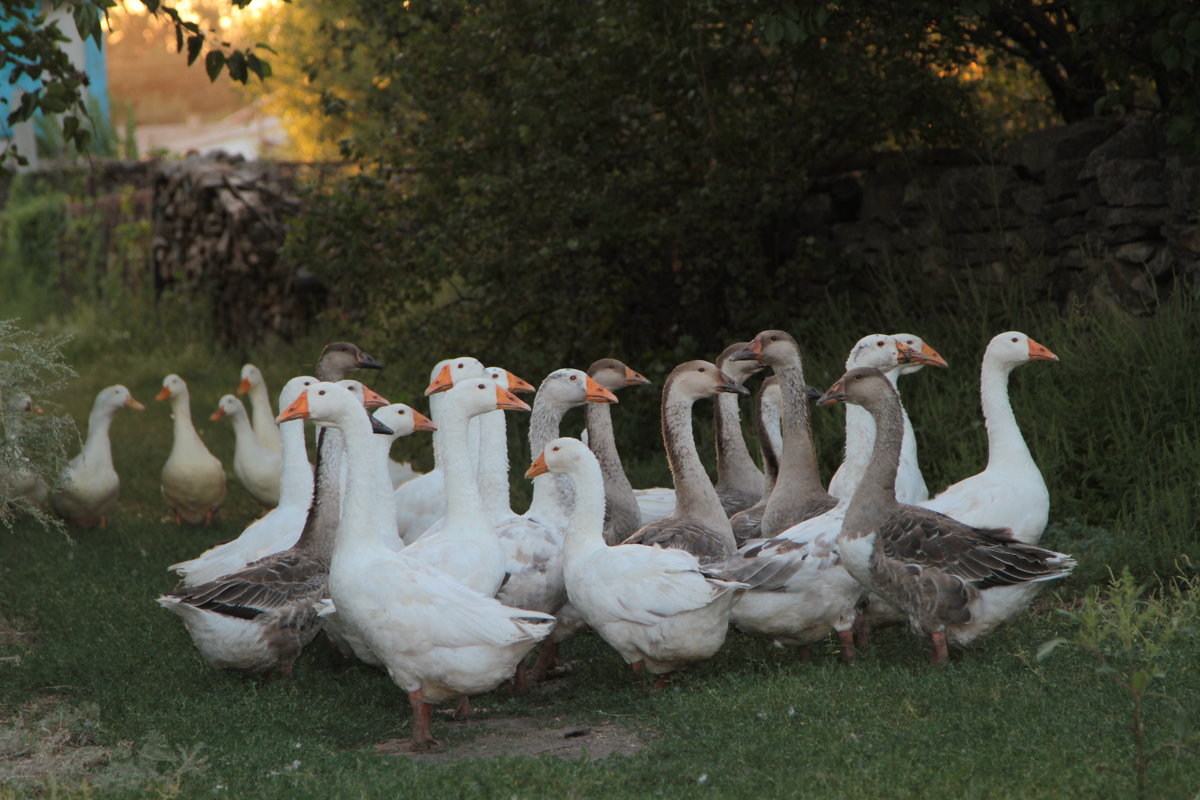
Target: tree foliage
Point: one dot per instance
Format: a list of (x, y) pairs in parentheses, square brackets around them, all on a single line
[(31, 45)]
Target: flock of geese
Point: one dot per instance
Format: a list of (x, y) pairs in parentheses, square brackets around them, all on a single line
[(437, 580)]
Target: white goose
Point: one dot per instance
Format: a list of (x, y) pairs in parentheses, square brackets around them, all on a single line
[(262, 418), (256, 467), (466, 545), (280, 527), (1010, 492), (87, 491), (421, 502), (655, 607), (193, 480), (24, 485), (437, 639)]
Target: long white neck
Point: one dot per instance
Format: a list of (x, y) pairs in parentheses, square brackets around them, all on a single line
[(464, 505), (260, 408), (585, 532), (1006, 447), (295, 476), (492, 468), (97, 449), (695, 497), (181, 413), (243, 434), (367, 512)]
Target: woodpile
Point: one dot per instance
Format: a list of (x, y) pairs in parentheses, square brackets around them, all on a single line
[(219, 223)]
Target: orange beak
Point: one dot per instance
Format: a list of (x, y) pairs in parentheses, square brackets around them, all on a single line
[(538, 467), (635, 378), (597, 393), (422, 422), (751, 352), (297, 410), (38, 410), (932, 357), (373, 399), (926, 355), (516, 384), (1039, 352), (837, 393), (441, 383), (244, 386), (509, 401), (218, 414), (134, 404), (164, 394)]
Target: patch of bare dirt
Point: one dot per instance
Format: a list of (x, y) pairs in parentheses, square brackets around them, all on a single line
[(522, 736)]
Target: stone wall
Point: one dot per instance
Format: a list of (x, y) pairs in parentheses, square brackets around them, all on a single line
[(1098, 207)]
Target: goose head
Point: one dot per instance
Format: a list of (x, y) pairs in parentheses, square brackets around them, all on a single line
[(228, 406), (365, 394), (861, 386), (447, 372), (773, 348), (508, 380), (329, 404), (338, 359), (694, 380), (403, 420), (1013, 347), (561, 455), (917, 353), (292, 389), (173, 387), (481, 395), (251, 377), (738, 369), (613, 375), (116, 396), (573, 387)]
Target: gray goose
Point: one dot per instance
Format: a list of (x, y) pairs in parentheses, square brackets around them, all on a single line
[(739, 480), (699, 524), (770, 442), (937, 570), (621, 514), (798, 494), (260, 617)]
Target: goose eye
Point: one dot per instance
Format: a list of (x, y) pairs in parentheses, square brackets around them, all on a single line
[(460, 366), (401, 412), (879, 344), (701, 369), (481, 386), (774, 338), (574, 377), (556, 449), (1014, 338), (321, 392)]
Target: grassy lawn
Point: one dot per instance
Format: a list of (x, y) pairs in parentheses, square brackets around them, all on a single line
[(754, 722)]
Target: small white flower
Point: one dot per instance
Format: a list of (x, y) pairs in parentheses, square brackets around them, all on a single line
[(791, 711), (292, 767), (703, 778)]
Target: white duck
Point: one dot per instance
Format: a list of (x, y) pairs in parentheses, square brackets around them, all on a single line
[(261, 616), (437, 639), (280, 527), (954, 582), (193, 480), (262, 418), (421, 502), (1010, 492), (655, 607), (466, 546), (256, 467), (87, 491), (24, 485)]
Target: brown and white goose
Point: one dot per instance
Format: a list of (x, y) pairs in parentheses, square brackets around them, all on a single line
[(798, 493), (739, 480), (767, 418), (699, 524), (621, 514), (955, 583)]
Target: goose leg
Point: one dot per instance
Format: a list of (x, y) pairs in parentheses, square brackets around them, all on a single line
[(940, 655), (547, 660), (849, 651), (805, 653), (464, 708), (520, 681), (178, 519), (208, 515), (862, 632), (422, 738), (663, 681)]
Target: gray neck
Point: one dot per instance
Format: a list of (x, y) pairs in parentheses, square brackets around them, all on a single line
[(798, 473), (618, 492), (875, 497), (552, 494), (695, 497), (736, 470), (320, 527)]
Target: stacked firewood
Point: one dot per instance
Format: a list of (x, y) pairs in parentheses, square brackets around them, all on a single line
[(219, 223)]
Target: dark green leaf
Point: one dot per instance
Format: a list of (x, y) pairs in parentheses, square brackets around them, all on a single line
[(194, 45), (214, 62)]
